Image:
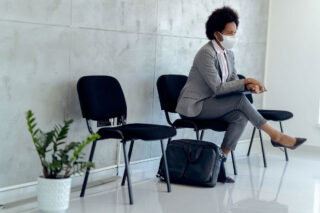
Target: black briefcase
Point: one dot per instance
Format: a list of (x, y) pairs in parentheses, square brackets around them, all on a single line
[(192, 162)]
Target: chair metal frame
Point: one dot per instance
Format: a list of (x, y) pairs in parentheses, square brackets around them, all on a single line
[(262, 146), (198, 137), (127, 156)]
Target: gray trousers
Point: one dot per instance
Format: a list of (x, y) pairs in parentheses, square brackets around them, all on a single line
[(236, 110)]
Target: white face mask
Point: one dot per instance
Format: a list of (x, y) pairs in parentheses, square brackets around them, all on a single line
[(228, 41)]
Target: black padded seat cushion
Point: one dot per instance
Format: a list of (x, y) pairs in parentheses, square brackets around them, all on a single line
[(214, 124), (138, 131), (275, 115)]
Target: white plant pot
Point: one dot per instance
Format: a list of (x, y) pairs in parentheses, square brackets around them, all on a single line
[(53, 194)]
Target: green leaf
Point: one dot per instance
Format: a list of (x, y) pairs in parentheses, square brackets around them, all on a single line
[(65, 157)]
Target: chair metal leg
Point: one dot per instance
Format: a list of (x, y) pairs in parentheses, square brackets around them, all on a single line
[(285, 149), (125, 170), (262, 149), (286, 153), (197, 134), (166, 166), (202, 134), (252, 136), (84, 185), (234, 163), (128, 171)]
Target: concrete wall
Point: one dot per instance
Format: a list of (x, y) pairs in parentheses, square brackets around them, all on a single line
[(293, 65), (47, 45)]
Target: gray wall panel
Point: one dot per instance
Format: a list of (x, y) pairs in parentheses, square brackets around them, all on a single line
[(46, 46)]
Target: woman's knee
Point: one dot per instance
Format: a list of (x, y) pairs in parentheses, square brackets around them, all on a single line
[(241, 98), (244, 103)]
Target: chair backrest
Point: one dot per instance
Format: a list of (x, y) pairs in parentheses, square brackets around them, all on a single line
[(169, 88), (249, 96), (101, 98)]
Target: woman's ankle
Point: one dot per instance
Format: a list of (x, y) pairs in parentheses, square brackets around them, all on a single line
[(225, 150), (276, 137)]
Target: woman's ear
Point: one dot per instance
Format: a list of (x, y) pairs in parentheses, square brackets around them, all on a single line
[(218, 36)]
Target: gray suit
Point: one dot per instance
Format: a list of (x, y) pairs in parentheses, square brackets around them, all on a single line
[(198, 97), (204, 81)]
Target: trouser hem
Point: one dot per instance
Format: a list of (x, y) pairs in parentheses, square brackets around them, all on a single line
[(261, 123)]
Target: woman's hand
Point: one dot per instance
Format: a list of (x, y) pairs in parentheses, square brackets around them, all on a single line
[(255, 85), (254, 88)]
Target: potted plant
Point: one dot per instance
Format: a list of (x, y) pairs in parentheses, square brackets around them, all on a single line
[(59, 160)]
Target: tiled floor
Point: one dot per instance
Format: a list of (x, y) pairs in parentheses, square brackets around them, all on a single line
[(292, 187)]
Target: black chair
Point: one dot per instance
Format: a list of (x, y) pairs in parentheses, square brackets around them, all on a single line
[(102, 99), (273, 115), (169, 88)]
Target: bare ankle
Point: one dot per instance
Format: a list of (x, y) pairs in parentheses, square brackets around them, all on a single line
[(225, 150), (276, 137)]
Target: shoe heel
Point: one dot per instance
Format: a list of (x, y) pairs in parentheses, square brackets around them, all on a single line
[(276, 144)]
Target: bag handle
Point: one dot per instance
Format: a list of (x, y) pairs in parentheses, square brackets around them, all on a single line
[(192, 155)]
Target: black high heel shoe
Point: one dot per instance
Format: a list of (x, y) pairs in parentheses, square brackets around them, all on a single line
[(299, 141)]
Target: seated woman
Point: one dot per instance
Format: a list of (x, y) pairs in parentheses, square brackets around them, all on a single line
[(213, 74)]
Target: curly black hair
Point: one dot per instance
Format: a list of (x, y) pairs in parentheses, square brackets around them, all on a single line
[(218, 20)]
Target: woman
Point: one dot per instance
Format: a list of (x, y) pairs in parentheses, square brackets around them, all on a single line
[(213, 76)]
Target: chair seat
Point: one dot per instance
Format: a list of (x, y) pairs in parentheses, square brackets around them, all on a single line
[(214, 124), (275, 115), (136, 131)]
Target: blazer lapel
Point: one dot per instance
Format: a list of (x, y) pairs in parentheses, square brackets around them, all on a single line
[(230, 68), (220, 65), (219, 60)]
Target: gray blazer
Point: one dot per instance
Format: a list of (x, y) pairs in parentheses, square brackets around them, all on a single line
[(204, 81)]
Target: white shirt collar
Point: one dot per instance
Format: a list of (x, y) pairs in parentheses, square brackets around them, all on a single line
[(218, 48)]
